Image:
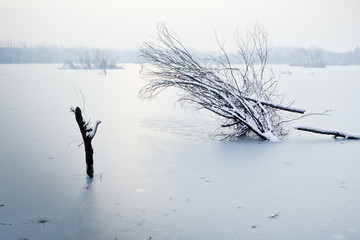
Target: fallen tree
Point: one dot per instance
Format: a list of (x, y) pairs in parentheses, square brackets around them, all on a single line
[(242, 93), (334, 133)]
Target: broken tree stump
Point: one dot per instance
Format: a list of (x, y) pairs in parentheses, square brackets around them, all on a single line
[(336, 134), (88, 133)]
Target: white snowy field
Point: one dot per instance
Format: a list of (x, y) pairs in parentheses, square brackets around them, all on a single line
[(160, 171)]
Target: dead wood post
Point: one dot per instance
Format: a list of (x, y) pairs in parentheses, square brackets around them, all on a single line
[(88, 134)]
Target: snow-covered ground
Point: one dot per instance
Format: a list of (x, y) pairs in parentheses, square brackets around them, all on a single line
[(161, 173)]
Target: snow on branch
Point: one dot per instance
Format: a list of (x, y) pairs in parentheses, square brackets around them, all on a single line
[(242, 93), (86, 130)]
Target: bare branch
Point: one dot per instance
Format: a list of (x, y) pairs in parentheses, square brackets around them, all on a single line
[(329, 132)]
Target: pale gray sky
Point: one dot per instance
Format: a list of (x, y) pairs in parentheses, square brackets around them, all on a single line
[(330, 24)]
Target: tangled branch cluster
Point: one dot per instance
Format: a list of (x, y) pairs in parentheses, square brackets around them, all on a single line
[(242, 94)]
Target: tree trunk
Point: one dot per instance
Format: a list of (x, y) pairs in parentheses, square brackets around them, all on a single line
[(329, 132), (89, 151), (88, 134)]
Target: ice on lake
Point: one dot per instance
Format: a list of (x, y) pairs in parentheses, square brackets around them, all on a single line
[(161, 172)]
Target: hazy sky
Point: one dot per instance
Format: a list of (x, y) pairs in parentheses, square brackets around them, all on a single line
[(125, 24)]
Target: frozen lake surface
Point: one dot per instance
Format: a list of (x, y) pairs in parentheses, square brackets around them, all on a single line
[(161, 172)]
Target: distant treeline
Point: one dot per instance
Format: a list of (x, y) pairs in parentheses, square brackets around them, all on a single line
[(55, 54), (306, 57), (314, 57)]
